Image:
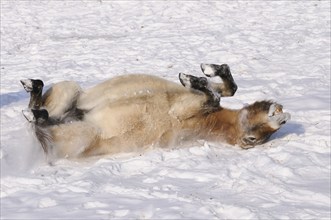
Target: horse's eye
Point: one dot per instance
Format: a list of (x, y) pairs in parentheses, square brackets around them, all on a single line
[(249, 140)]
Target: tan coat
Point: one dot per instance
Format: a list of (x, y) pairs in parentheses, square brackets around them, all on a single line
[(135, 112)]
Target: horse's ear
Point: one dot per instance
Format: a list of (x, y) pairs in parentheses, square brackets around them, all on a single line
[(243, 117), (276, 116), (275, 109)]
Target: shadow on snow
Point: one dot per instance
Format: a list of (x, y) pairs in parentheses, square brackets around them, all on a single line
[(290, 127), (8, 98)]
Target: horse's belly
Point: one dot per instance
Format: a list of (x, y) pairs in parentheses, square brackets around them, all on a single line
[(137, 122), (125, 87), (140, 110)]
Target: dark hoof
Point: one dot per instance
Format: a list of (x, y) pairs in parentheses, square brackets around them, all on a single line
[(27, 84), (212, 70), (28, 115), (208, 70), (30, 85), (184, 80), (193, 82)]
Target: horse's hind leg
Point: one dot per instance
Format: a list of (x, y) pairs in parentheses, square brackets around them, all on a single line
[(35, 88), (61, 98), (228, 87), (41, 121), (203, 85)]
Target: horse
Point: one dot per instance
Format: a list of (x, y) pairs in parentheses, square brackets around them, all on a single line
[(135, 112)]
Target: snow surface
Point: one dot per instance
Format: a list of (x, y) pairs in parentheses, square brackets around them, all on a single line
[(276, 50)]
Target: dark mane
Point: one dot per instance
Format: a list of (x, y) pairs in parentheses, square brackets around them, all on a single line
[(260, 106)]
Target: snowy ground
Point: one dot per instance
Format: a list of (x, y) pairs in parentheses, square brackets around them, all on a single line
[(276, 50)]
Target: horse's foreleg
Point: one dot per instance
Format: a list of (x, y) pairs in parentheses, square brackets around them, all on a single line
[(228, 87), (203, 85)]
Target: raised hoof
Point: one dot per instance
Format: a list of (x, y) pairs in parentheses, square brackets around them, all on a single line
[(208, 70), (212, 70), (184, 80), (189, 81), (28, 114), (39, 116), (27, 84), (30, 85)]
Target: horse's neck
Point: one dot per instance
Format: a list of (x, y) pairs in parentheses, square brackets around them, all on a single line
[(221, 125)]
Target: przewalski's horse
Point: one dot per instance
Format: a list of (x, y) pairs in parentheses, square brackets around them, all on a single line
[(152, 112)]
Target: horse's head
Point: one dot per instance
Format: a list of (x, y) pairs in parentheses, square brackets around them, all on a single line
[(259, 121)]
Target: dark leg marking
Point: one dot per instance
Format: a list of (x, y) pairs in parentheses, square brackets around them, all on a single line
[(201, 84), (229, 87), (35, 88)]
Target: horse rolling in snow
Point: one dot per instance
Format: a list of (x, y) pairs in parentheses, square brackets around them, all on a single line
[(146, 111)]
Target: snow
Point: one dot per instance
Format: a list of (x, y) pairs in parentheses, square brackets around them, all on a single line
[(276, 50)]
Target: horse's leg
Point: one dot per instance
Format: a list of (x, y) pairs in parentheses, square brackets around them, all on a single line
[(228, 87), (61, 99), (35, 88), (40, 119), (203, 85)]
